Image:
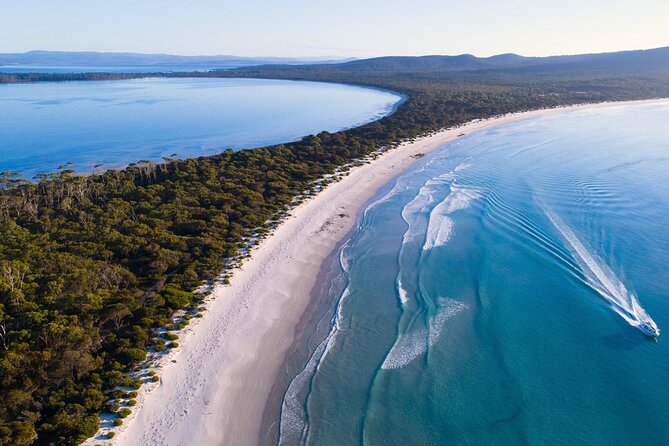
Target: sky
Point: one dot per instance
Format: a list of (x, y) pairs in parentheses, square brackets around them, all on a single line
[(334, 28)]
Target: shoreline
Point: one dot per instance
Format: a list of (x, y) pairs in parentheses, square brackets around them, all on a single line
[(219, 386), (194, 146), (313, 326)]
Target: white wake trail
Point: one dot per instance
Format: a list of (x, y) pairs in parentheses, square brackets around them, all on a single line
[(600, 277)]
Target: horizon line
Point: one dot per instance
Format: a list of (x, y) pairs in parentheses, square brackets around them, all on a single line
[(327, 57)]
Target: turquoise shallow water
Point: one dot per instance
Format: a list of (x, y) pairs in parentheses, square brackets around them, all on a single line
[(114, 123), (491, 294)]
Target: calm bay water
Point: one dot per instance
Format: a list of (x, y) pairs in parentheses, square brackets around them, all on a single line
[(70, 69), (113, 123), (491, 294)]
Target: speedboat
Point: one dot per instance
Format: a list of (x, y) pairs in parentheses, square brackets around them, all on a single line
[(649, 327)]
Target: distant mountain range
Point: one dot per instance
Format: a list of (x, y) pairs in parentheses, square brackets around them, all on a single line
[(653, 59), (158, 61)]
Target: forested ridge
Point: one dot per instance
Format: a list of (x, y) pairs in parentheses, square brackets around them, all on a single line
[(91, 266)]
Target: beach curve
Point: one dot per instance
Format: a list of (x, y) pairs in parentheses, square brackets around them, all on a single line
[(214, 388)]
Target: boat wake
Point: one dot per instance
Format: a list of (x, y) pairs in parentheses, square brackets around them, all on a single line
[(602, 279)]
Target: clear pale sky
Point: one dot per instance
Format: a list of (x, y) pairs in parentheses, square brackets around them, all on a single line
[(359, 28)]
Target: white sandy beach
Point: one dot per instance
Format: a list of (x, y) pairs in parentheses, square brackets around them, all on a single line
[(214, 388)]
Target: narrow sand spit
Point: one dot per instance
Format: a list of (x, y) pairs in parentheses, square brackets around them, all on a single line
[(214, 388)]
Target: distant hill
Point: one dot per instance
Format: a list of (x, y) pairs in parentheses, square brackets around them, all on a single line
[(654, 60), (98, 59), (463, 62), (503, 70), (637, 61)]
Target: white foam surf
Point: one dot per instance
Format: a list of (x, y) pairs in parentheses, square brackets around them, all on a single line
[(294, 425), (600, 277), (427, 216), (404, 295), (416, 343), (440, 225), (293, 414), (425, 198), (439, 231)]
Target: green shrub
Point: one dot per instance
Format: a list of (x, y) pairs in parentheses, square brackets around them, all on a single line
[(175, 298), (118, 422), (111, 434), (132, 403), (132, 394), (117, 393), (171, 336), (136, 383), (115, 365), (159, 348), (111, 406), (128, 381), (173, 344), (146, 322), (133, 355), (155, 378), (124, 412)]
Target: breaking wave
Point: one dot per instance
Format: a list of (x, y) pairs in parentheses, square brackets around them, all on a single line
[(294, 423), (415, 343), (440, 225), (404, 295)]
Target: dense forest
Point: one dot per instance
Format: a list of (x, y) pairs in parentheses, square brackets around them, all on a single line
[(91, 266)]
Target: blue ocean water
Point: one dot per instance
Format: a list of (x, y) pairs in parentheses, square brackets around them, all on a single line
[(491, 294), (114, 123)]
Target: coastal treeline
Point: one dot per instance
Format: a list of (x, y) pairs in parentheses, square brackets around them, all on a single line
[(91, 266)]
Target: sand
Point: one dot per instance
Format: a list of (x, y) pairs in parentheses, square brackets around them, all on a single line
[(215, 387)]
